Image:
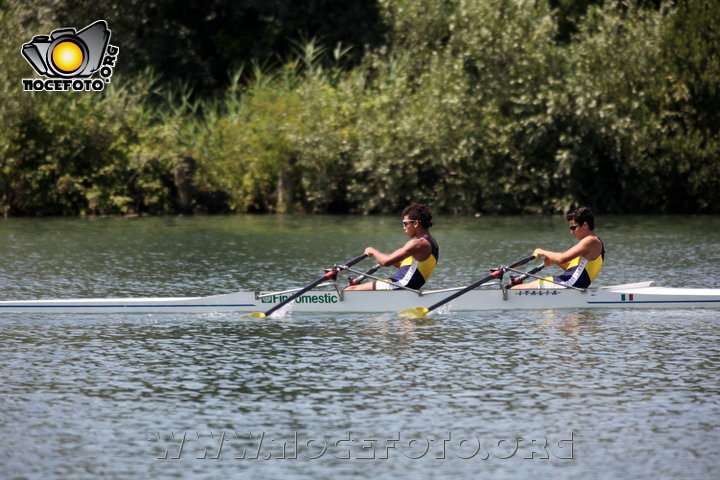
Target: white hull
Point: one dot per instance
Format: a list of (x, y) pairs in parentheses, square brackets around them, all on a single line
[(639, 295)]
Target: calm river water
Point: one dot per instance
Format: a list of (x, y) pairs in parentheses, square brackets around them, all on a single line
[(502, 395)]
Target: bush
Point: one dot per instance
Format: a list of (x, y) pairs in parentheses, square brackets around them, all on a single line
[(499, 106)]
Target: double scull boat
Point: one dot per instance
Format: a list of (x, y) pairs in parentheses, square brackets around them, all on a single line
[(334, 299)]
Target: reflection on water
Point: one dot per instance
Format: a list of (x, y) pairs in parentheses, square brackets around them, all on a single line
[(572, 322), (456, 395)]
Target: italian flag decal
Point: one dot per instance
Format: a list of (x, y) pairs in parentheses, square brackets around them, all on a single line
[(629, 297)]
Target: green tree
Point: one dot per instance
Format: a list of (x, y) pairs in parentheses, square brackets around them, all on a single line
[(200, 43)]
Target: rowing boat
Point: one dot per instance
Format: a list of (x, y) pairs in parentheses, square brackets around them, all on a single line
[(328, 299)]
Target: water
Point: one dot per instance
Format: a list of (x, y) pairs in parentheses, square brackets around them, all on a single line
[(503, 395)]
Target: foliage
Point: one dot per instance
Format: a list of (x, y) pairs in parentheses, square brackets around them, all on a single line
[(202, 42), (81, 154), (490, 106), (280, 144)]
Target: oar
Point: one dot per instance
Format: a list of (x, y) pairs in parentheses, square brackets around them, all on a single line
[(521, 278), (357, 280), (327, 276), (420, 312)]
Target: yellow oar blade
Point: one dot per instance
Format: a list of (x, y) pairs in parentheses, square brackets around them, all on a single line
[(256, 315), (417, 312)]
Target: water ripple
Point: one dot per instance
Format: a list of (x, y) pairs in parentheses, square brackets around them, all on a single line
[(94, 396)]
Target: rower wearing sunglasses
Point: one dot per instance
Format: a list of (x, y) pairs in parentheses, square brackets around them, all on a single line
[(415, 260), (582, 262)]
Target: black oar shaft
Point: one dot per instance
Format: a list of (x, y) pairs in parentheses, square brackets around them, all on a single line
[(357, 280), (521, 278), (328, 275), (496, 274)]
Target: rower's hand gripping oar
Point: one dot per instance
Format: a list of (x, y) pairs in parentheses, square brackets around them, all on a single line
[(330, 274), (420, 312)]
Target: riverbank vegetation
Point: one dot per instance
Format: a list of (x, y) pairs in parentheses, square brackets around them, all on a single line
[(489, 106)]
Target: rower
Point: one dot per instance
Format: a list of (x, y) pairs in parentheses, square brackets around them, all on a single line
[(415, 260), (581, 263)]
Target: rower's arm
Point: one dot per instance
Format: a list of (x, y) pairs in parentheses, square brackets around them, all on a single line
[(417, 247), (588, 247)]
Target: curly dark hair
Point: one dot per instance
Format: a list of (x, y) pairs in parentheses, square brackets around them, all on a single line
[(582, 215), (420, 212)]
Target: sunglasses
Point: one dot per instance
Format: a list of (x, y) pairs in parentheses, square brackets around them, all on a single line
[(573, 227), (405, 223)]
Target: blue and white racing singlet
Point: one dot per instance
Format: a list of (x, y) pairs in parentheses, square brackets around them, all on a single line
[(413, 273), (580, 272)]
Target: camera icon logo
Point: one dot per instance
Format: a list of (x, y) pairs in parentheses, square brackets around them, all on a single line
[(69, 54)]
